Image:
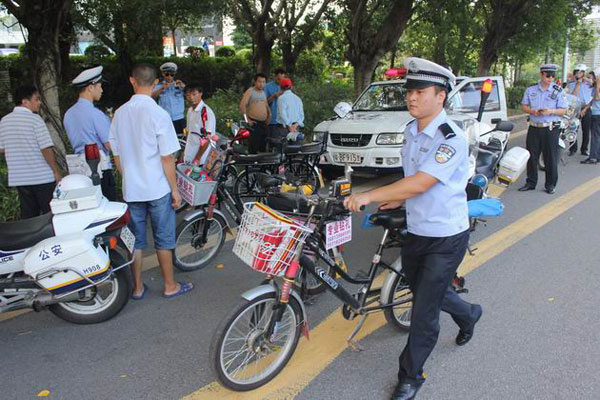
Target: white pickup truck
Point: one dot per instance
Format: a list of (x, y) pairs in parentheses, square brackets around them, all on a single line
[(369, 137)]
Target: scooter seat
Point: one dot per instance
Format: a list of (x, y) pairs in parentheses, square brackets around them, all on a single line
[(260, 158), (391, 219), (307, 148), (17, 235)]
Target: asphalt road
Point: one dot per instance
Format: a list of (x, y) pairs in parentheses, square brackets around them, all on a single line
[(536, 275)]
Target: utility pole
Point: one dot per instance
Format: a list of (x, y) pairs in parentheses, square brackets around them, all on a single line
[(565, 58)]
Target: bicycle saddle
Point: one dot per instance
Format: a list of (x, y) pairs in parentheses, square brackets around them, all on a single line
[(308, 148), (390, 219), (291, 203), (17, 235), (260, 158)]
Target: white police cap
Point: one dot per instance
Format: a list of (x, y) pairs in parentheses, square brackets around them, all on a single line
[(424, 73), (581, 67), (548, 68), (88, 77), (168, 67)]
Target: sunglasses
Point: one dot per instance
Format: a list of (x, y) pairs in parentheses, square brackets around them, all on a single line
[(169, 74), (549, 75)]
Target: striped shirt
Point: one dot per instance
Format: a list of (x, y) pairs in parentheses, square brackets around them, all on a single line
[(22, 135)]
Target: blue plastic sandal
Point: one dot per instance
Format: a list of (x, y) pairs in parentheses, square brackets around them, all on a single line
[(183, 288)]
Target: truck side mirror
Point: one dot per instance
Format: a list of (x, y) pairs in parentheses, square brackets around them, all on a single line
[(495, 120)]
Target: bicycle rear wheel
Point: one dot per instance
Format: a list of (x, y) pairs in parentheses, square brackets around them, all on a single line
[(243, 356), (305, 173), (247, 187), (399, 316)]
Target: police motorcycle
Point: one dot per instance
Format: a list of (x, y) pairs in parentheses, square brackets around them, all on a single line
[(569, 126), (73, 260)]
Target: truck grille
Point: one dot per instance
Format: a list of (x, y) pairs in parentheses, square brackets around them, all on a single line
[(349, 140)]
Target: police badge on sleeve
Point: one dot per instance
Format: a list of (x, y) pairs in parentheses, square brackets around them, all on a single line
[(444, 153)]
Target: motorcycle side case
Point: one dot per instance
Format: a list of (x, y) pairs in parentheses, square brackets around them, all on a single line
[(512, 164), (59, 263)]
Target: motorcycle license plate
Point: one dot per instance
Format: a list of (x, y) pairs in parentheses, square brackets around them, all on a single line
[(128, 238), (338, 233), (350, 158)]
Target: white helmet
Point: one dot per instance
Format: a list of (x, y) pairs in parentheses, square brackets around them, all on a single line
[(581, 67), (70, 182), (342, 109)]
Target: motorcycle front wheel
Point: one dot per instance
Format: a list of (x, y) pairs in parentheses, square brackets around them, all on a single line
[(191, 251), (243, 355), (101, 302)]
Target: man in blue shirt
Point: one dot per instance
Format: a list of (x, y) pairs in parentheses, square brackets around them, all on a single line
[(290, 110), (436, 167), (545, 103), (581, 87), (170, 93), (86, 124), (273, 91)]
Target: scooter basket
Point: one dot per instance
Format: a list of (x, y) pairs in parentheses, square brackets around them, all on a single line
[(267, 241)]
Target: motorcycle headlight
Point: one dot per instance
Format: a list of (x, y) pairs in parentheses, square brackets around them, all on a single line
[(390, 138)]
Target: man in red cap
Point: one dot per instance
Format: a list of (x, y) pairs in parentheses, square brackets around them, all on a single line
[(290, 111)]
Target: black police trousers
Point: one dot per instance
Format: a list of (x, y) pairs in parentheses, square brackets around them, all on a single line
[(429, 264), (545, 142)]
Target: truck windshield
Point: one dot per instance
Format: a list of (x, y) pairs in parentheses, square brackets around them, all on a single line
[(387, 97)]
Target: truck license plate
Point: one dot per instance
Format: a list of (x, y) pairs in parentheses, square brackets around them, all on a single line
[(128, 238), (350, 158)]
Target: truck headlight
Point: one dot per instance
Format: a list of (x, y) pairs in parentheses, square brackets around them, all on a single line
[(390, 138), (319, 136)]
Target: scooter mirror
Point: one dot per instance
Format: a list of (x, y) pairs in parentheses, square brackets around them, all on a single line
[(504, 126)]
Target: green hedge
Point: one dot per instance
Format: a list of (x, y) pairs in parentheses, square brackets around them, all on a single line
[(9, 200), (514, 94)]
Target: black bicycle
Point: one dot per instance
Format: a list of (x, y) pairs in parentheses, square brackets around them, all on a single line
[(202, 232), (257, 339), (259, 336)]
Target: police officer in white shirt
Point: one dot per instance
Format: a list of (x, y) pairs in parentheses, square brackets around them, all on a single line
[(436, 167)]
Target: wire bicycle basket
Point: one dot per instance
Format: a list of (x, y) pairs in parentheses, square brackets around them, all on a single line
[(267, 241)]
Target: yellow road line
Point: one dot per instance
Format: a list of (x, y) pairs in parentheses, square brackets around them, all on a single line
[(327, 339)]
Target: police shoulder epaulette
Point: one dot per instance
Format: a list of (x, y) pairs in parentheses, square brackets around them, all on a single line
[(447, 131), (558, 88)]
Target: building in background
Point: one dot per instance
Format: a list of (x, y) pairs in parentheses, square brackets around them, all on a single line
[(591, 58)]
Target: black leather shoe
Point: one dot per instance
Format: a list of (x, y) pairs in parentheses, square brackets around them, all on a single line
[(405, 391), (585, 153), (572, 152), (463, 337), (550, 190), (589, 161), (526, 188)]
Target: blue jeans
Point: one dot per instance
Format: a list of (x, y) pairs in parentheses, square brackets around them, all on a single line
[(162, 218)]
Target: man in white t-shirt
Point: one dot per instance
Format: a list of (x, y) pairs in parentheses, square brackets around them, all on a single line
[(201, 123), (143, 140)]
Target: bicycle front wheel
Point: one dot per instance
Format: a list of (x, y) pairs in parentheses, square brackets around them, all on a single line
[(194, 251), (244, 355)]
